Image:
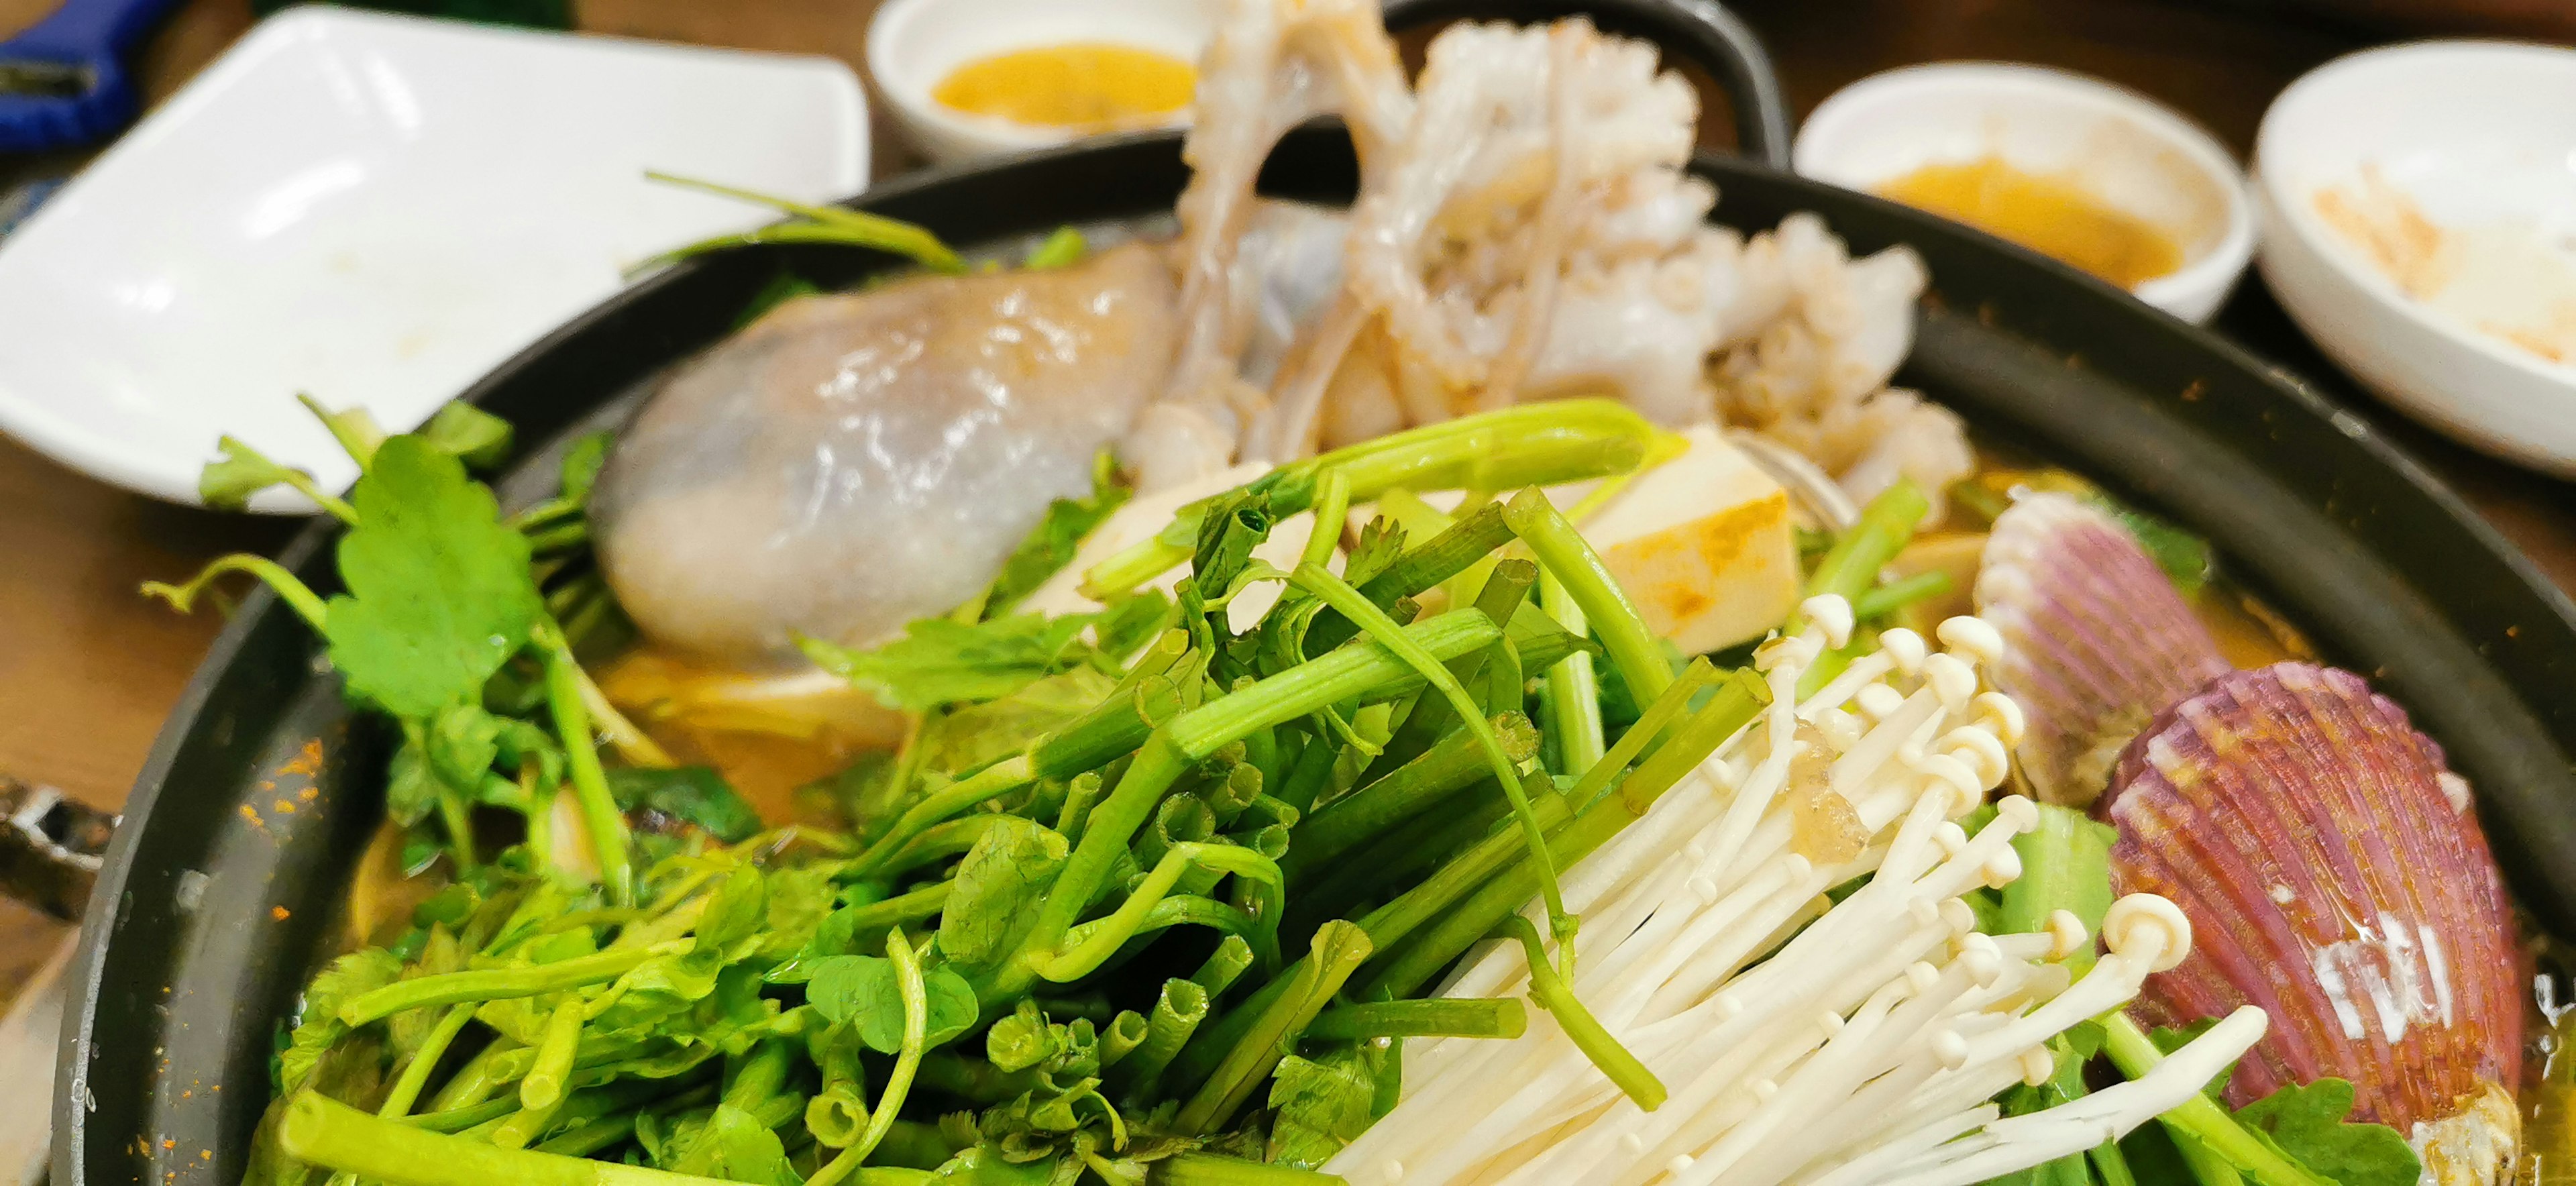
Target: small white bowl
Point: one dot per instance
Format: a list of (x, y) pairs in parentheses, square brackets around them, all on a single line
[(2472, 133), (2130, 152), (914, 44), (377, 210)]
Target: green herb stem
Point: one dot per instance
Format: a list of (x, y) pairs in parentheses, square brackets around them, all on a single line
[(1882, 600), (1338, 950), (916, 1032), (1850, 567), (1334, 592), (494, 984), (1208, 1169), (1564, 553), (1093, 943), (1454, 1017), (830, 224), (1177, 1014), (290, 589), (1223, 965), (610, 843), (1535, 444), (1586, 1031), (1452, 764), (415, 1073), (1573, 689), (1648, 726), (1332, 509), (2199, 1120), (1000, 778), (320, 1131), (543, 1086)]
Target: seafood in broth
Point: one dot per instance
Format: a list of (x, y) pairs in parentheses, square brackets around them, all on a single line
[(1446, 691)]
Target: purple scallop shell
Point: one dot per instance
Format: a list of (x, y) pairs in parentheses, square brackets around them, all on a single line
[(2096, 640), (2335, 876)]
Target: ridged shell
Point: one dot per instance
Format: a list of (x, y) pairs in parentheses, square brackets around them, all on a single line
[(2096, 639), (2334, 875)]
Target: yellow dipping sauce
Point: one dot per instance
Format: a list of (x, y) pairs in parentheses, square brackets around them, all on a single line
[(1082, 85), (2050, 215)]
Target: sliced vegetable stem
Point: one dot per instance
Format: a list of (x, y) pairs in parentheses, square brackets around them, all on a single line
[(1573, 690), (916, 1031), (1587, 1033), (415, 1073), (290, 589), (610, 843), (1468, 1017), (317, 1130), (1373, 621), (1567, 556), (494, 984), (2199, 1121), (1338, 950)]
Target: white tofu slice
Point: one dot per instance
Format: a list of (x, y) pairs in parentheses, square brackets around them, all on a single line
[(1703, 545)]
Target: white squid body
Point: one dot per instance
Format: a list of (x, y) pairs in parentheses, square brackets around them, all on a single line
[(851, 463)]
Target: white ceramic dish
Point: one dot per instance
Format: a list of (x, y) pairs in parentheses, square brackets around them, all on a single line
[(376, 210), (913, 44), (2475, 135), (2131, 152)]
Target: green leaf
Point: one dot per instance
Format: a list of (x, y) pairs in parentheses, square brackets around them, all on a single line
[(1322, 1106), (1058, 535), (998, 887), (2185, 558), (2308, 1124), (972, 737), (1023, 1039), (2066, 865), (581, 466), (1062, 249), (469, 434), (939, 661), (693, 795), (1235, 523), (782, 288), (411, 787), (735, 1146), (354, 428), (228, 485), (1381, 545), (439, 590), (862, 991), (319, 1027)]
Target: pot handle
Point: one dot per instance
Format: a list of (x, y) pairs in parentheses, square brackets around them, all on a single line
[(50, 846), (1715, 39)]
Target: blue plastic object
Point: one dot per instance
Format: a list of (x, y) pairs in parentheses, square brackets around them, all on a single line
[(91, 37)]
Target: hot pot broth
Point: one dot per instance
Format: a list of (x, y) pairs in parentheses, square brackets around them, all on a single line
[(1064, 872)]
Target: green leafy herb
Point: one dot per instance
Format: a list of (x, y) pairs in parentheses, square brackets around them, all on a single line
[(939, 661), (1061, 249), (1057, 537), (469, 434), (691, 794), (581, 466), (863, 991), (1323, 1104), (439, 592), (2308, 1123)]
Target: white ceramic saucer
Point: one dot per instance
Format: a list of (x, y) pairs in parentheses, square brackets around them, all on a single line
[(377, 210)]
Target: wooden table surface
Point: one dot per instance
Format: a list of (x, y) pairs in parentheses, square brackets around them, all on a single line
[(87, 668)]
